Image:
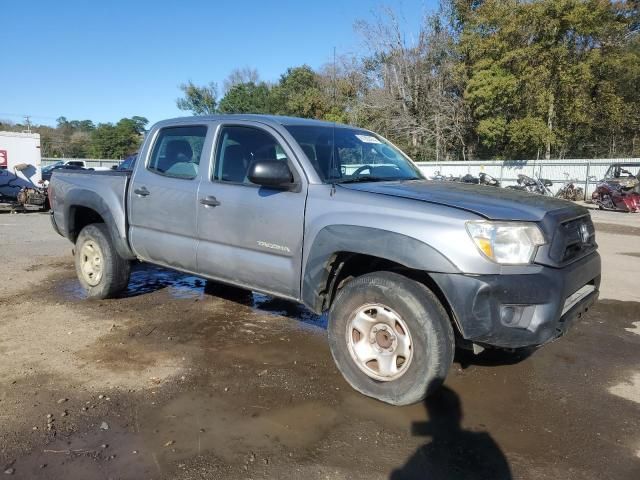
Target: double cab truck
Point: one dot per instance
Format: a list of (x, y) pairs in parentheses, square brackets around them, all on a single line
[(339, 219)]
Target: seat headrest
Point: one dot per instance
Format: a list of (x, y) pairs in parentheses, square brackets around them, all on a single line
[(234, 164), (233, 152), (179, 147)]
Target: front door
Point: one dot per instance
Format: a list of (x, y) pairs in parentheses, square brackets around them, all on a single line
[(251, 235), (163, 198)]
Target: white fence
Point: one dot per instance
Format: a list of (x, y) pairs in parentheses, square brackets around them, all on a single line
[(90, 162), (558, 171)]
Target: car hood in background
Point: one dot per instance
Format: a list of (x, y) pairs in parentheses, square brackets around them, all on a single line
[(490, 202)]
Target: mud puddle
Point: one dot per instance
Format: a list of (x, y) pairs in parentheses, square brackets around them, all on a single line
[(147, 279)]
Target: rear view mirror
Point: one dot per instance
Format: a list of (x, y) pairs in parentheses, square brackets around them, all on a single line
[(270, 173)]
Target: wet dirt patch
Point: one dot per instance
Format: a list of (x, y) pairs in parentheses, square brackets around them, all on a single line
[(629, 389), (232, 384), (43, 266), (617, 229), (635, 329)]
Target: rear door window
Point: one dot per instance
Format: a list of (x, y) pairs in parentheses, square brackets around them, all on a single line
[(177, 151)]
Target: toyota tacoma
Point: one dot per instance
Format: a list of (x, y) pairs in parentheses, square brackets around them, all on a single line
[(339, 219)]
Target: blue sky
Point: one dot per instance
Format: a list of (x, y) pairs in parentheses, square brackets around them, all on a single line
[(112, 59)]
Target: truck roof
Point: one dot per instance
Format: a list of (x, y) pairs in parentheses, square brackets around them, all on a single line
[(269, 119)]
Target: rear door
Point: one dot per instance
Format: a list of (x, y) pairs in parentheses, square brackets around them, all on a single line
[(251, 235), (163, 196)]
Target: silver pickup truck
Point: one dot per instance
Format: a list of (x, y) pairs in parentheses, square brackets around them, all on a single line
[(339, 219)]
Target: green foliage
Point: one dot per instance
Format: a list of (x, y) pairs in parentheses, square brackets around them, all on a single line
[(299, 94), (492, 131), (119, 140), (550, 69), (491, 91), (200, 100), (82, 139), (247, 98)]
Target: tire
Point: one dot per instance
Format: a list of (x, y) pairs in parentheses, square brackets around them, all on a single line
[(102, 272), (380, 296)]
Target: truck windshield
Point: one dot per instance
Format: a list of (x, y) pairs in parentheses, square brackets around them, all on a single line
[(628, 170), (346, 155)]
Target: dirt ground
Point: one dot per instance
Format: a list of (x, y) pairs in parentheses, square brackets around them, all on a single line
[(186, 379)]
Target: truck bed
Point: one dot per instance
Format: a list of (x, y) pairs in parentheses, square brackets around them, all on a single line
[(103, 191)]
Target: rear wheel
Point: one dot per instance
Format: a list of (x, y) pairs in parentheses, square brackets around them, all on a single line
[(100, 269), (390, 337)]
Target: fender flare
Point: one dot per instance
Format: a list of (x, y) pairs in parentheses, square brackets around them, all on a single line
[(89, 199), (376, 242)]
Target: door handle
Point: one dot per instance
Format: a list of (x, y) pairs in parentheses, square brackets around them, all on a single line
[(142, 191), (209, 201)]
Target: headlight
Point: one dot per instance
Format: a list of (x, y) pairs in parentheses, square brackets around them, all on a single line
[(510, 243)]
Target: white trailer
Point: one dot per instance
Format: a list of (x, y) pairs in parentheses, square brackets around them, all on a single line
[(20, 162)]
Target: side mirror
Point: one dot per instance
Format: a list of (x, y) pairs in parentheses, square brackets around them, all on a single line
[(270, 173)]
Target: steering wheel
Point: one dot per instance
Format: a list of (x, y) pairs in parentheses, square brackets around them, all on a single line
[(361, 169)]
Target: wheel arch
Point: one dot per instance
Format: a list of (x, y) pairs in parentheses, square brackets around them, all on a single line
[(84, 207), (342, 251)]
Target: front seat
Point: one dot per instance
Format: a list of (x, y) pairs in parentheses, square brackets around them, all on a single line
[(235, 164), (177, 151)]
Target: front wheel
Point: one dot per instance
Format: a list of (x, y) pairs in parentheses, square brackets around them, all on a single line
[(102, 272), (390, 337)]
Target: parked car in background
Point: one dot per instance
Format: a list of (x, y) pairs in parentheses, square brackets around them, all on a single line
[(68, 165), (127, 164), (405, 267), (61, 165)]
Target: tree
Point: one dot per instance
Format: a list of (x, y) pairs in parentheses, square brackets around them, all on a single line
[(299, 93), (413, 93), (199, 100), (241, 75), (71, 138), (246, 98), (119, 140), (539, 76), (480, 79)]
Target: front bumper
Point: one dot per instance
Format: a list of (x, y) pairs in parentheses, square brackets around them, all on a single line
[(546, 302)]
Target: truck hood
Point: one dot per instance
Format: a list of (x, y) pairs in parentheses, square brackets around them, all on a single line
[(490, 202)]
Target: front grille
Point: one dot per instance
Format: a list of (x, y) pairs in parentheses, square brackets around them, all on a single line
[(569, 243)]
